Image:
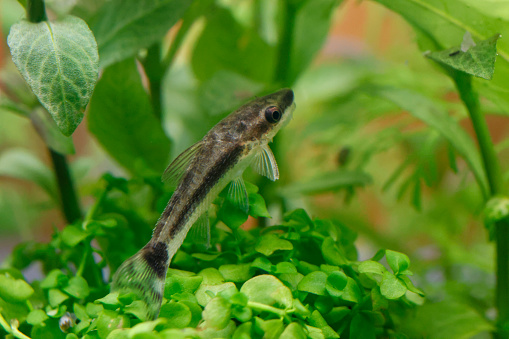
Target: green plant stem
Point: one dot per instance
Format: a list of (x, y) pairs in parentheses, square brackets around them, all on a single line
[(68, 198), (287, 23), (154, 70), (4, 324), (36, 11), (495, 181)]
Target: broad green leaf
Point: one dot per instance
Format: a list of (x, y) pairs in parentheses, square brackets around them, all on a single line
[(269, 243), (123, 27), (312, 24), (398, 262), (59, 61), (331, 181), (14, 290), (436, 117), (121, 119), (21, 164), (478, 60), (253, 57)]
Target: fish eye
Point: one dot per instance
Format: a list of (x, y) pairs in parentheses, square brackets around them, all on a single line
[(272, 114)]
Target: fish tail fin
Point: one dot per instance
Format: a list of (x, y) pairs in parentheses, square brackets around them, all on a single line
[(144, 274)]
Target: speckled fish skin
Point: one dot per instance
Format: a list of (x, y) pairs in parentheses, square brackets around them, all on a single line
[(222, 156)]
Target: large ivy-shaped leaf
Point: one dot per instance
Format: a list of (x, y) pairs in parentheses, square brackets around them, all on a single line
[(122, 120), (123, 27), (59, 61)]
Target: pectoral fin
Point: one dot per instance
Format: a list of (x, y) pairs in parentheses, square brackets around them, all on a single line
[(265, 163), (237, 193), (200, 231)]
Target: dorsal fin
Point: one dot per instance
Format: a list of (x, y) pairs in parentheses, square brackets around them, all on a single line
[(176, 169), (265, 164)]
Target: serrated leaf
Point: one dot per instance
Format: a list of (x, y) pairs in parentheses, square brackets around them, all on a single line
[(478, 60), (123, 27), (59, 61), (121, 119), (440, 24)]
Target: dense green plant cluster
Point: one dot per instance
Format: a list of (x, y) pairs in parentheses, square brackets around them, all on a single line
[(298, 279)]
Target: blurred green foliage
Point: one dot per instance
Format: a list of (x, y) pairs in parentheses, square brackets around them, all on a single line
[(378, 146)]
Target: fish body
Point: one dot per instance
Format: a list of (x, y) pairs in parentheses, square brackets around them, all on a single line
[(201, 173)]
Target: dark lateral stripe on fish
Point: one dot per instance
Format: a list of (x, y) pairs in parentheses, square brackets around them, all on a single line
[(156, 256), (213, 176)]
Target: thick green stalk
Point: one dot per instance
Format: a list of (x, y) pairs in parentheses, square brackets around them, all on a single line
[(154, 71), (36, 11), (68, 198), (496, 186)]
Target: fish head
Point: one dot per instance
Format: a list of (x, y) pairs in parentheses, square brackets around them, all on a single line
[(258, 121)]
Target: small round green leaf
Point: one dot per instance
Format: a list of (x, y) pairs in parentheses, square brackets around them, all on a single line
[(77, 287), (217, 313), (391, 287), (260, 288), (398, 262), (178, 314), (314, 283), (14, 290), (269, 243), (59, 60)]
